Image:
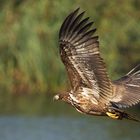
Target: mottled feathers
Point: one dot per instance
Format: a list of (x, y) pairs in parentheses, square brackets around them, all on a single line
[(127, 89), (79, 51)]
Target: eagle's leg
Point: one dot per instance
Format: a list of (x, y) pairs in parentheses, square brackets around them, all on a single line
[(116, 113), (112, 115)]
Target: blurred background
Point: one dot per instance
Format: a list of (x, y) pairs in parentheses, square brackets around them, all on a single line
[(31, 71)]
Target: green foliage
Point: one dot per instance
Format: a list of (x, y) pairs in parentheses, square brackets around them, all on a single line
[(29, 55)]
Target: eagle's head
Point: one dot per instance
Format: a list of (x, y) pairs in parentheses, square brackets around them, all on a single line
[(64, 96)]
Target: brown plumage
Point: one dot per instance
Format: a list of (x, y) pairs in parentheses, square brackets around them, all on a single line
[(92, 91)]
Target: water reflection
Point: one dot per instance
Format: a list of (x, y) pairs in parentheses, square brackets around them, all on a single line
[(67, 128)]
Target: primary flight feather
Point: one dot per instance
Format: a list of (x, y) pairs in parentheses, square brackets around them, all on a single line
[(92, 92)]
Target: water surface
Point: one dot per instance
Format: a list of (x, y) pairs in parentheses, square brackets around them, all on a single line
[(67, 128)]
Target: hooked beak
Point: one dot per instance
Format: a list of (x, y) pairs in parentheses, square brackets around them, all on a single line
[(56, 98)]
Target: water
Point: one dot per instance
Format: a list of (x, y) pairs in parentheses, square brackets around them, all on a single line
[(67, 128)]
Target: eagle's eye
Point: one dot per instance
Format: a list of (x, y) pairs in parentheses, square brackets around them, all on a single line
[(56, 97)]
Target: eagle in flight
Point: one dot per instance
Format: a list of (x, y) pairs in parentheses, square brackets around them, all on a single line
[(92, 92)]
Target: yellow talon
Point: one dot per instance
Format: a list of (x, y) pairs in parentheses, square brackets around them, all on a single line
[(112, 115)]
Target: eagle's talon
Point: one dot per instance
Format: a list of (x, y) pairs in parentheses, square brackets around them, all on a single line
[(112, 115)]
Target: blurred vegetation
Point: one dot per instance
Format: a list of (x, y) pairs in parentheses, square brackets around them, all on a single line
[(29, 58)]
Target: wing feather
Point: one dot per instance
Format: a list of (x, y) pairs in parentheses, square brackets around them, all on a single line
[(79, 51), (127, 89)]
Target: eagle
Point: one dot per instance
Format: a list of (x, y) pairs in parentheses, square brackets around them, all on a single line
[(92, 92)]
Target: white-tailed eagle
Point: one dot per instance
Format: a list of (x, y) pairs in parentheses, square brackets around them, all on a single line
[(92, 92)]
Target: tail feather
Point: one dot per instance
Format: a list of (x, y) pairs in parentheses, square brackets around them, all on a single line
[(130, 117)]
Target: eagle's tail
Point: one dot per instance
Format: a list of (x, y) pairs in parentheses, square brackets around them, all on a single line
[(129, 117)]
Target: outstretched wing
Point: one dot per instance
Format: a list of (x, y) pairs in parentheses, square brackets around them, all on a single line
[(79, 51), (127, 89)]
